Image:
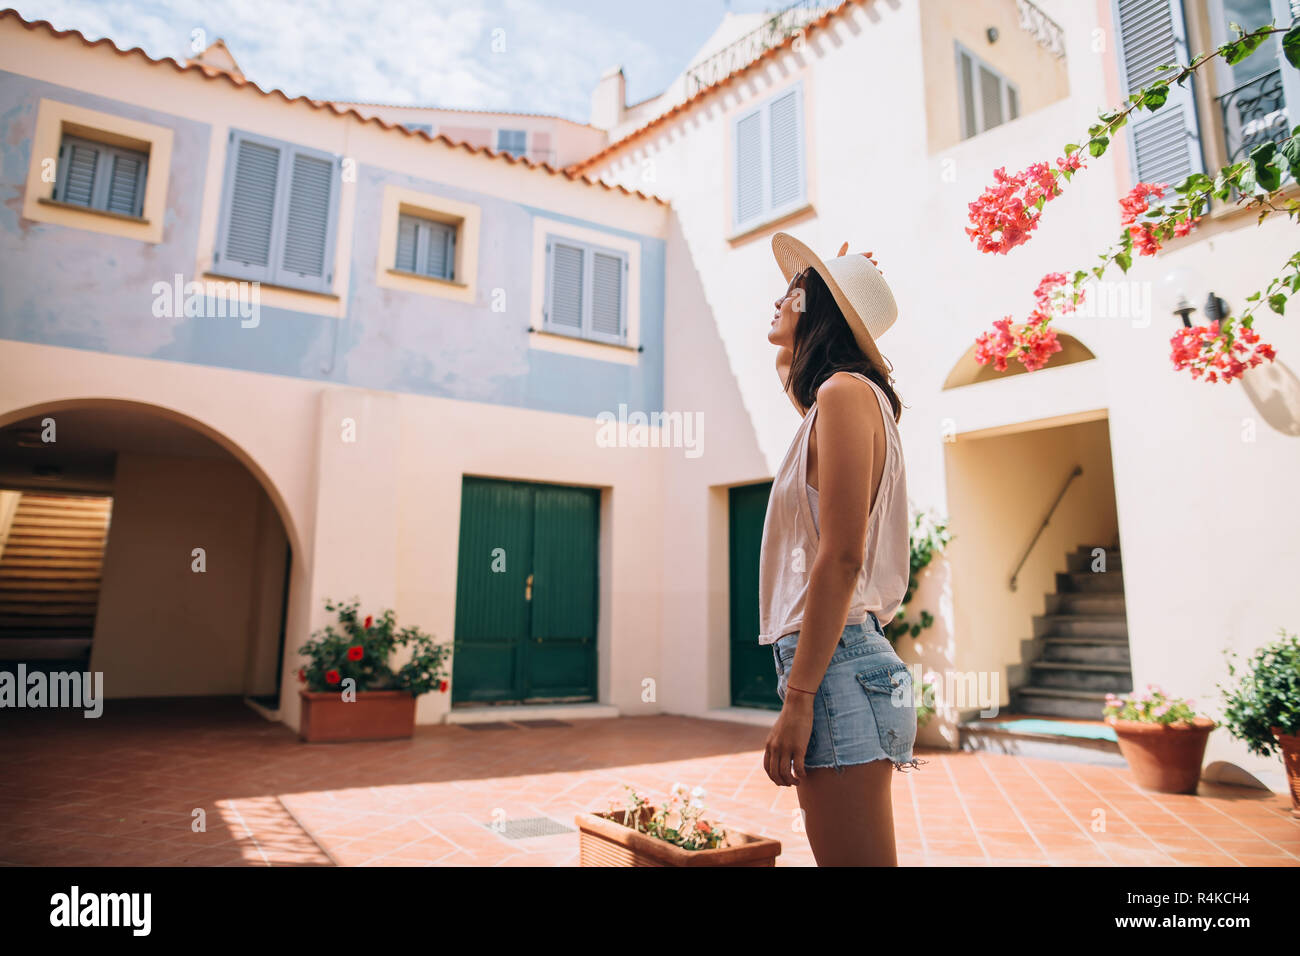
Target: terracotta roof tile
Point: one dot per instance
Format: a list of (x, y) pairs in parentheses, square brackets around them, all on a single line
[(211, 73), (699, 95)]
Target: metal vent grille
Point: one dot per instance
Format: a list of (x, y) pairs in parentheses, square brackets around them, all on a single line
[(528, 827)]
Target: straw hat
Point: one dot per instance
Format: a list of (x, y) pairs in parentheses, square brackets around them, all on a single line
[(859, 290)]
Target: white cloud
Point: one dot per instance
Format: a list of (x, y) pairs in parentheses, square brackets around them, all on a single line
[(433, 53)]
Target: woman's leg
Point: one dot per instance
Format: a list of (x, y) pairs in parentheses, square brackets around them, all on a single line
[(849, 817)]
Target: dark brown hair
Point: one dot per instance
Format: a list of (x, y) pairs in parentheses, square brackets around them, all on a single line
[(824, 344)]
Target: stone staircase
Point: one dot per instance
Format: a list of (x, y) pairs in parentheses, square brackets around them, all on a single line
[(51, 560), (1080, 648)]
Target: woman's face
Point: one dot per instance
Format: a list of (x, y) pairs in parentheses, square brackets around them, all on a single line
[(788, 308)]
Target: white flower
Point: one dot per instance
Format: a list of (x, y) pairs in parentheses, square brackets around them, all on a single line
[(678, 789), (697, 792)]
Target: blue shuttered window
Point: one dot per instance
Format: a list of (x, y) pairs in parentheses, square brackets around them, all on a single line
[(768, 174), (1166, 143), (279, 214), (103, 177), (586, 290), (425, 247)]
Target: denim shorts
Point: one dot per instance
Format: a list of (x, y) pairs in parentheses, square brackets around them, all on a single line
[(864, 708)]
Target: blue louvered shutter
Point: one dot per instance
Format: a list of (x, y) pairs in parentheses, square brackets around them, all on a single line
[(747, 172), (125, 183), (607, 280), (565, 274), (78, 176), (279, 214), (785, 135), (408, 243), (1166, 144), (99, 176), (307, 253), (248, 230), (439, 251), (426, 247)]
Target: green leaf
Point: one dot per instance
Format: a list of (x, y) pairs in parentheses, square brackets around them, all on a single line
[(1291, 46), (1071, 149), (1123, 260), (1154, 96), (1290, 150), (1097, 145), (1277, 302)]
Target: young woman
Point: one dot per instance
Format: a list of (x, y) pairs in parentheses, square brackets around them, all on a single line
[(835, 560)]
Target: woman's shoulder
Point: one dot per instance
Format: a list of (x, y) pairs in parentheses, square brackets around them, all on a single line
[(850, 395)]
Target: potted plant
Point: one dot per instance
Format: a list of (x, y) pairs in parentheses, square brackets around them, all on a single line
[(674, 834), (1263, 707), (1162, 738), (350, 692)]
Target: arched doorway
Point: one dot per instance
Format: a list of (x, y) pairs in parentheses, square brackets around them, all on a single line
[(139, 543)]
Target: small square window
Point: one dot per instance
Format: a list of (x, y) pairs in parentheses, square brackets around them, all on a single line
[(99, 176), (426, 247), (420, 128), (512, 141)]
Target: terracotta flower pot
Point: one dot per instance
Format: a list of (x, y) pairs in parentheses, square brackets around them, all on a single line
[(374, 715), (1164, 757), (1291, 758), (604, 841)]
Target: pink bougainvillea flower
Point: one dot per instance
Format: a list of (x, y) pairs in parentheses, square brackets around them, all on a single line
[(1033, 343), (1205, 351), (1008, 211)]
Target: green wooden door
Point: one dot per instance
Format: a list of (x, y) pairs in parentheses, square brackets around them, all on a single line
[(526, 592), (753, 678)]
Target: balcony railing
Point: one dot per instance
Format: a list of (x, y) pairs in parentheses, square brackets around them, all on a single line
[(1254, 113), (1043, 28), (752, 45)]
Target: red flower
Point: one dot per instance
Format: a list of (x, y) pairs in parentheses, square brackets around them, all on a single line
[(332, 677), (1221, 356), (442, 688), (369, 620), (356, 653), (302, 675), (1008, 211)]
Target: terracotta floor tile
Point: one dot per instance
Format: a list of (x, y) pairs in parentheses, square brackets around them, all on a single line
[(124, 791)]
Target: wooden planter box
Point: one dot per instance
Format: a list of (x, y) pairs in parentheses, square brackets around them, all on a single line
[(604, 841), (374, 715), (1165, 758)]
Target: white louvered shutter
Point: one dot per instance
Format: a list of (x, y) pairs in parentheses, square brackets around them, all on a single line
[(607, 272), (565, 305), (748, 169), (250, 213), (305, 260), (1166, 143), (786, 150)]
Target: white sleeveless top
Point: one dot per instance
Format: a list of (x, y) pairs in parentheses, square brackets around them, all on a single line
[(791, 535)]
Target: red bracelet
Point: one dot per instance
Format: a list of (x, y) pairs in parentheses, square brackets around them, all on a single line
[(800, 689)]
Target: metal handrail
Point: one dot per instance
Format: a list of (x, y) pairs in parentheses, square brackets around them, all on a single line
[(1078, 470), (771, 32)]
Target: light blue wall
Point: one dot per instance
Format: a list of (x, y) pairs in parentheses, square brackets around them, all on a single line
[(70, 287)]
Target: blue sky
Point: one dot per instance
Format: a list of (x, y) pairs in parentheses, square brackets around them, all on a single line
[(424, 52)]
